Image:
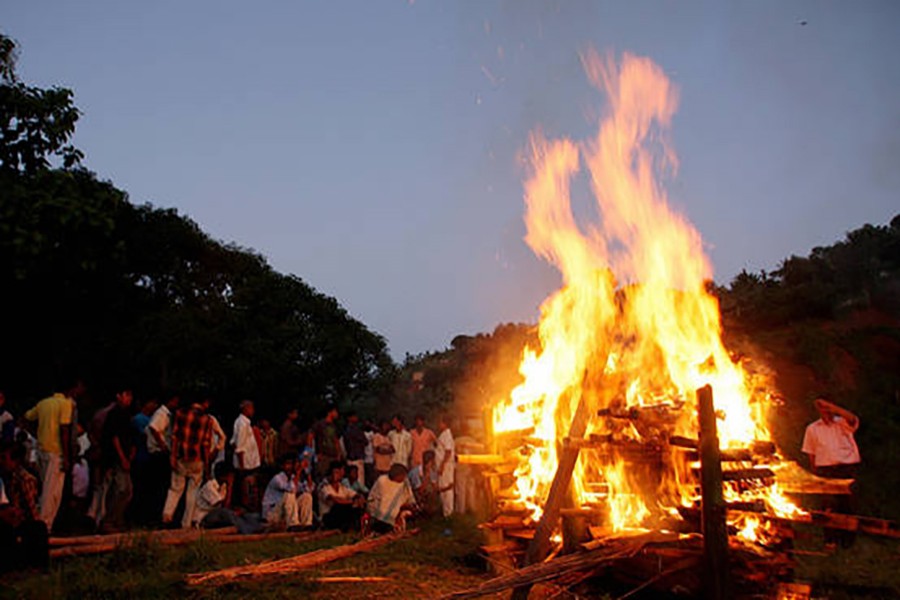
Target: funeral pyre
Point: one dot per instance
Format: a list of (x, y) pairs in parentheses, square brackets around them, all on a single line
[(627, 341)]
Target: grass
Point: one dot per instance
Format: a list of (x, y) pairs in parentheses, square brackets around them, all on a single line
[(438, 559)]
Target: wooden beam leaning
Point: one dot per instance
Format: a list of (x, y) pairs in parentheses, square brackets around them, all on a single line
[(539, 546), (715, 531)]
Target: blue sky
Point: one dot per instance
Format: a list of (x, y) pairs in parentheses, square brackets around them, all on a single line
[(371, 147)]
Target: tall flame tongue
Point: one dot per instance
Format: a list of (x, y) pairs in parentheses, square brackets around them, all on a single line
[(654, 340)]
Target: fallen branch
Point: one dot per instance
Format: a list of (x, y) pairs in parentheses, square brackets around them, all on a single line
[(294, 563), (351, 579)]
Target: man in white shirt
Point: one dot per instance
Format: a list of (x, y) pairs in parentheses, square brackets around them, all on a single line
[(281, 504), (445, 457), (832, 452), (391, 501), (159, 467), (401, 440), (209, 511), (246, 455), (339, 506)]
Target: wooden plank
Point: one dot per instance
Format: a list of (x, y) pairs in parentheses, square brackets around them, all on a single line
[(482, 459)]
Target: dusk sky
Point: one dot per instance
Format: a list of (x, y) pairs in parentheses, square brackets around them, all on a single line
[(371, 147)]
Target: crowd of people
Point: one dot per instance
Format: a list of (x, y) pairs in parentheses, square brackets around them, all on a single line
[(172, 464)]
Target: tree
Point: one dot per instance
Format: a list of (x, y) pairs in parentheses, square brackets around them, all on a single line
[(35, 124)]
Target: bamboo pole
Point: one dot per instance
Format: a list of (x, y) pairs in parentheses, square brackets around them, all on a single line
[(293, 564)]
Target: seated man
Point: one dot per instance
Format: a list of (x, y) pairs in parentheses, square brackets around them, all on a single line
[(23, 536), (391, 501), (424, 481), (353, 481), (280, 502), (210, 511), (339, 506)]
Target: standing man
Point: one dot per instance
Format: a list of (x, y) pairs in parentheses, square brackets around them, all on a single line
[(246, 455), (141, 473), (383, 450), (833, 453), (117, 451), (355, 443), (191, 437), (423, 440), (159, 445), (290, 436), (328, 442), (54, 436), (445, 457), (402, 442)]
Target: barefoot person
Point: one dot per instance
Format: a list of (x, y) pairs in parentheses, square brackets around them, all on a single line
[(833, 453)]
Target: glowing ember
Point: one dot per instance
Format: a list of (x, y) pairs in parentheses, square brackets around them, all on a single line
[(633, 327)]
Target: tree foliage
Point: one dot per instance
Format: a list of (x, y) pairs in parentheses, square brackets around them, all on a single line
[(135, 295)]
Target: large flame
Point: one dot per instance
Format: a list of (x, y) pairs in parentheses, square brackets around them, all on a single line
[(634, 313)]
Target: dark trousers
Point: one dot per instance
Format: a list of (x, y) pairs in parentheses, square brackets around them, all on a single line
[(159, 476), (839, 503), (24, 546), (342, 516)]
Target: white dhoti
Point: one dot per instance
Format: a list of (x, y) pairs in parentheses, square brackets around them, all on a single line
[(287, 511), (446, 485), (53, 481)]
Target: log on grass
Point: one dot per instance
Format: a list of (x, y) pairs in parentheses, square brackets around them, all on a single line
[(293, 564), (93, 540), (123, 542)]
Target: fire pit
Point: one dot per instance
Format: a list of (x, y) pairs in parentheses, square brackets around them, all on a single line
[(634, 435)]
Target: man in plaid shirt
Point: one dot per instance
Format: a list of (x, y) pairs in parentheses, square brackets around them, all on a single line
[(191, 438)]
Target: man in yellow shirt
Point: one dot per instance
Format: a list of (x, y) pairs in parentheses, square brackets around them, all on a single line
[(54, 436)]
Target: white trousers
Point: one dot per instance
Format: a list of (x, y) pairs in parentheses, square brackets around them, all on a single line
[(53, 481), (192, 473), (447, 496), (291, 510)]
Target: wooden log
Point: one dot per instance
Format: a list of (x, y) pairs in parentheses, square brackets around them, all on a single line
[(124, 536), (293, 564), (747, 474), (559, 489), (482, 459), (350, 579), (715, 532), (104, 547), (586, 561)]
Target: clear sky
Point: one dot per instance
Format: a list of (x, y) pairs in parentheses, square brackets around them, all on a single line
[(371, 147)]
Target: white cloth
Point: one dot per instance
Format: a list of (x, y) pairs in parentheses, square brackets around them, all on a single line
[(370, 450), (244, 442), (388, 497), (161, 422), (446, 450), (327, 495), (84, 444), (81, 479), (53, 481), (211, 495), (402, 443), (831, 443)]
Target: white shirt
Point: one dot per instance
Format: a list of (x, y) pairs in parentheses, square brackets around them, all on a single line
[(831, 443), (402, 443), (160, 422), (211, 495), (445, 446), (81, 479), (327, 494), (387, 497), (278, 486), (245, 443)]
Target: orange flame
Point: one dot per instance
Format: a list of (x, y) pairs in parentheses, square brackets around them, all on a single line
[(653, 340)]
